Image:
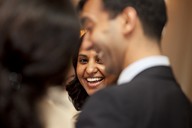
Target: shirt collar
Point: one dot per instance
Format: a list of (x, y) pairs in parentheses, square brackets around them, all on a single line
[(137, 67)]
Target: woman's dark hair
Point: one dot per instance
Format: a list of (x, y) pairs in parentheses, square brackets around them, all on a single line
[(36, 42), (76, 92)]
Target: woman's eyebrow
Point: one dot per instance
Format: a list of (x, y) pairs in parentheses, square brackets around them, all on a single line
[(82, 55)]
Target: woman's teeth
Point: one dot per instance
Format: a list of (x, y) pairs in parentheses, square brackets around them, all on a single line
[(94, 79)]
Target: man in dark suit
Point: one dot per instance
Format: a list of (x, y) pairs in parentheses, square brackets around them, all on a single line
[(127, 34)]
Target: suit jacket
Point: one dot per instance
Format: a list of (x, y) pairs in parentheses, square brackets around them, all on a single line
[(153, 99)]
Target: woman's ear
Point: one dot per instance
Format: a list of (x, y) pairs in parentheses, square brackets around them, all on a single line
[(130, 18)]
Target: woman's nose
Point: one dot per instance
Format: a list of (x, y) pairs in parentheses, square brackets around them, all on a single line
[(91, 68)]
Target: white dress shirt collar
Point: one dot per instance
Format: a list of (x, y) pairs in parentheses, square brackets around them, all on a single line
[(137, 67)]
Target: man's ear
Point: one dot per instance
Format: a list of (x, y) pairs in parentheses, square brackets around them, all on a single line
[(130, 17)]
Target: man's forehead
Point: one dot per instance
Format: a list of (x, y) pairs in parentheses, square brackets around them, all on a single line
[(93, 11), (91, 7), (93, 4)]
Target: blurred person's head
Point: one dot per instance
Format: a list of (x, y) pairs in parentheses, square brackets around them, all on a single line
[(90, 74), (36, 42), (124, 30)]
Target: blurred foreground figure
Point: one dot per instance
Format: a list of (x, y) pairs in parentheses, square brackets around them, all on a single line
[(36, 42)]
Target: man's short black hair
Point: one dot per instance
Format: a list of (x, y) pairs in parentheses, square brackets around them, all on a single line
[(152, 13)]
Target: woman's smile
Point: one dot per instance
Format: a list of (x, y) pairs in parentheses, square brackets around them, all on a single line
[(94, 82)]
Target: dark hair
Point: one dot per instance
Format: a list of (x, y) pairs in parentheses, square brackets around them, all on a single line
[(152, 13), (36, 42), (75, 90)]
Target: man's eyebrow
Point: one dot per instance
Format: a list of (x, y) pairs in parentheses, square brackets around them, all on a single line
[(84, 20)]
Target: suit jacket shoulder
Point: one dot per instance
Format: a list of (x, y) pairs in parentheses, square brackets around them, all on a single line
[(153, 99)]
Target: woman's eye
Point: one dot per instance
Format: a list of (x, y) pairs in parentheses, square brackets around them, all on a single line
[(83, 61), (99, 61)]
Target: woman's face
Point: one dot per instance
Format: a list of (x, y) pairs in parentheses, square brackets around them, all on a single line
[(91, 70)]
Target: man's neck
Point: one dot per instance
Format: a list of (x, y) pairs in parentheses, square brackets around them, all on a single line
[(141, 48)]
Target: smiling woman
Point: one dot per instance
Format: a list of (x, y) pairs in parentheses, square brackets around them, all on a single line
[(90, 74)]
